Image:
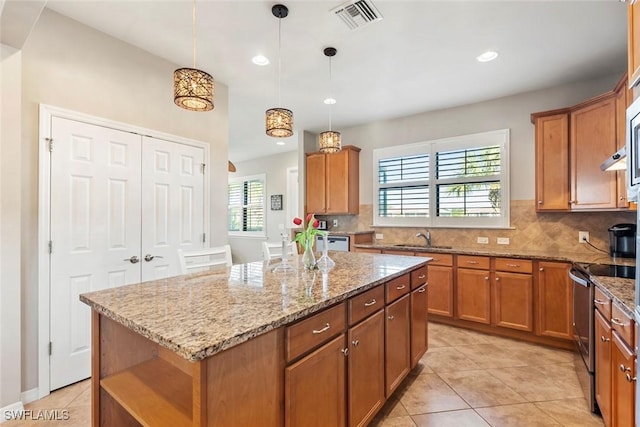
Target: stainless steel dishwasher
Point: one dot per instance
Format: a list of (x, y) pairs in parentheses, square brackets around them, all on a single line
[(334, 243)]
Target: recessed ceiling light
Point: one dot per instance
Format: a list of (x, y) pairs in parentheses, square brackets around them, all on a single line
[(330, 101), (487, 56), (260, 60), (280, 143)]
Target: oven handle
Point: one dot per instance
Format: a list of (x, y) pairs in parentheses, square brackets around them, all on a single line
[(579, 280)]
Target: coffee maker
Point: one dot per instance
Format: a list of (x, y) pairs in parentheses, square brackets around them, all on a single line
[(622, 240)]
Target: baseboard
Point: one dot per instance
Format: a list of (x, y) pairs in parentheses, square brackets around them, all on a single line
[(29, 395), (11, 412)]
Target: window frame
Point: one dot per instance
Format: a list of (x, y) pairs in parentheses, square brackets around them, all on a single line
[(242, 179), (499, 137)]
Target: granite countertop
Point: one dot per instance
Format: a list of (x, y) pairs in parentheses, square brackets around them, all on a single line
[(618, 289), (201, 314)]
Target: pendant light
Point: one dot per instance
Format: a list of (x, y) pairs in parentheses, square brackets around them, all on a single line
[(330, 141), (193, 88), (279, 121)]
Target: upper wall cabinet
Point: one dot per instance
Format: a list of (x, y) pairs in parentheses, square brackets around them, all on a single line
[(633, 43), (571, 144), (332, 182)]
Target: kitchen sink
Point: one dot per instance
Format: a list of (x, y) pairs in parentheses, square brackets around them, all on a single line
[(408, 245)]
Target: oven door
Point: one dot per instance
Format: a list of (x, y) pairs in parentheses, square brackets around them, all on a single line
[(583, 294)]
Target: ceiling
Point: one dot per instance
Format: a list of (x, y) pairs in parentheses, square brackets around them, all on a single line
[(419, 57)]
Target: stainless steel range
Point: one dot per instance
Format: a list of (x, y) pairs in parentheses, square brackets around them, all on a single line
[(583, 321)]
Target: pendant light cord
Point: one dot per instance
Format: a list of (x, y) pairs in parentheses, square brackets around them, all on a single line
[(193, 29), (279, 59), (330, 93)]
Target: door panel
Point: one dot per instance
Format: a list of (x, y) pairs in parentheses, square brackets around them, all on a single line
[(95, 226), (173, 212)]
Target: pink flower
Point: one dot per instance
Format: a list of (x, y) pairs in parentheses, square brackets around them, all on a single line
[(316, 223), (297, 221), (309, 217)]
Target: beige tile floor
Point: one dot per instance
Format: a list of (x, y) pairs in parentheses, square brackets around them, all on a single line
[(466, 379), (469, 379)]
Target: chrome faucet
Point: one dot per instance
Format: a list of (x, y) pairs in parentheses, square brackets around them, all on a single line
[(427, 237)]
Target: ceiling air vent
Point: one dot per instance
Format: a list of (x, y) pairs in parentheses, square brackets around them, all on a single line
[(357, 14)]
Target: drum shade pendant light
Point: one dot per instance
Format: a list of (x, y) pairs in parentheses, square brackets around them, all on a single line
[(193, 88), (330, 141), (279, 121)]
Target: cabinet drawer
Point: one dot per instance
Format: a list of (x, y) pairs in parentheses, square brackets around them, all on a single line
[(397, 287), (478, 262), (603, 303), (367, 303), (622, 324), (514, 265), (418, 277), (315, 330), (438, 258)]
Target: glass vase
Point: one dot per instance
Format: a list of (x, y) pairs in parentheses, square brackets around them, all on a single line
[(308, 257)]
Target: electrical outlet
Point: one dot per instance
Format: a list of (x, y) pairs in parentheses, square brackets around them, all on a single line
[(379, 236), (502, 241), (335, 223), (583, 236), (483, 240)]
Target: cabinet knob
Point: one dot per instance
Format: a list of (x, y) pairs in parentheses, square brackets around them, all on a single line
[(355, 343), (622, 198), (604, 339), (630, 379), (624, 368), (391, 317), (345, 351), (486, 277), (541, 269), (539, 202), (572, 202), (497, 279)]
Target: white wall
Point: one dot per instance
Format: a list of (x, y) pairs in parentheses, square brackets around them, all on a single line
[(10, 360), (69, 65), (247, 249), (511, 112)]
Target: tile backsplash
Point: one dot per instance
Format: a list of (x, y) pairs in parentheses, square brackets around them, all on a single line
[(529, 230)]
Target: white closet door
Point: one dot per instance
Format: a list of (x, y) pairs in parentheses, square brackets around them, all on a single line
[(172, 205), (95, 230)]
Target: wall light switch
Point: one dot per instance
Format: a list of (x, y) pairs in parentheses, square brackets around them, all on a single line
[(379, 236), (503, 240), (483, 240)]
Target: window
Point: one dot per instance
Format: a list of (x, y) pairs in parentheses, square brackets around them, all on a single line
[(247, 206), (453, 182)]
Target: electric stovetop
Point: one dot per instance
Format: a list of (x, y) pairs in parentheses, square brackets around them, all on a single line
[(611, 270)]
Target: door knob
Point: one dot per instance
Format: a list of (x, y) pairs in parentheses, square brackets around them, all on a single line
[(133, 260), (149, 257)]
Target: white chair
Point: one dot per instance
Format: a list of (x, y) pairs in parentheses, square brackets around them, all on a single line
[(203, 258), (274, 250)]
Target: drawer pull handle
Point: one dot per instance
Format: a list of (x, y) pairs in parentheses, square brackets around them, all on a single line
[(422, 276), (473, 262), (630, 379), (401, 287), (325, 329), (422, 289), (599, 301), (624, 368), (512, 265), (604, 339), (391, 317), (616, 321), (370, 303)]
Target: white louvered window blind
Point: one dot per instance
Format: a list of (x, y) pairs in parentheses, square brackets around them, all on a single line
[(453, 182), (247, 206)]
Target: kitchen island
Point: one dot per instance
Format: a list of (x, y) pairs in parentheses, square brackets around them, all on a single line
[(246, 346)]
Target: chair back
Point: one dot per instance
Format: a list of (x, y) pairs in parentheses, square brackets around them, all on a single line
[(203, 258), (274, 250)]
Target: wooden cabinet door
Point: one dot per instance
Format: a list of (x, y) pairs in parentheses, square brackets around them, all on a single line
[(623, 384), (440, 290), (315, 183), (397, 343), (474, 295), (603, 366), (419, 330), (621, 139), (513, 301), (593, 139), (315, 387), (552, 163), (633, 42), (366, 369), (337, 176), (554, 300)]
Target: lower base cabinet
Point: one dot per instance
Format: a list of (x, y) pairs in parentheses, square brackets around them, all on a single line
[(419, 330), (397, 343), (603, 366), (622, 382), (474, 295), (555, 300), (513, 301), (366, 369), (314, 387)]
